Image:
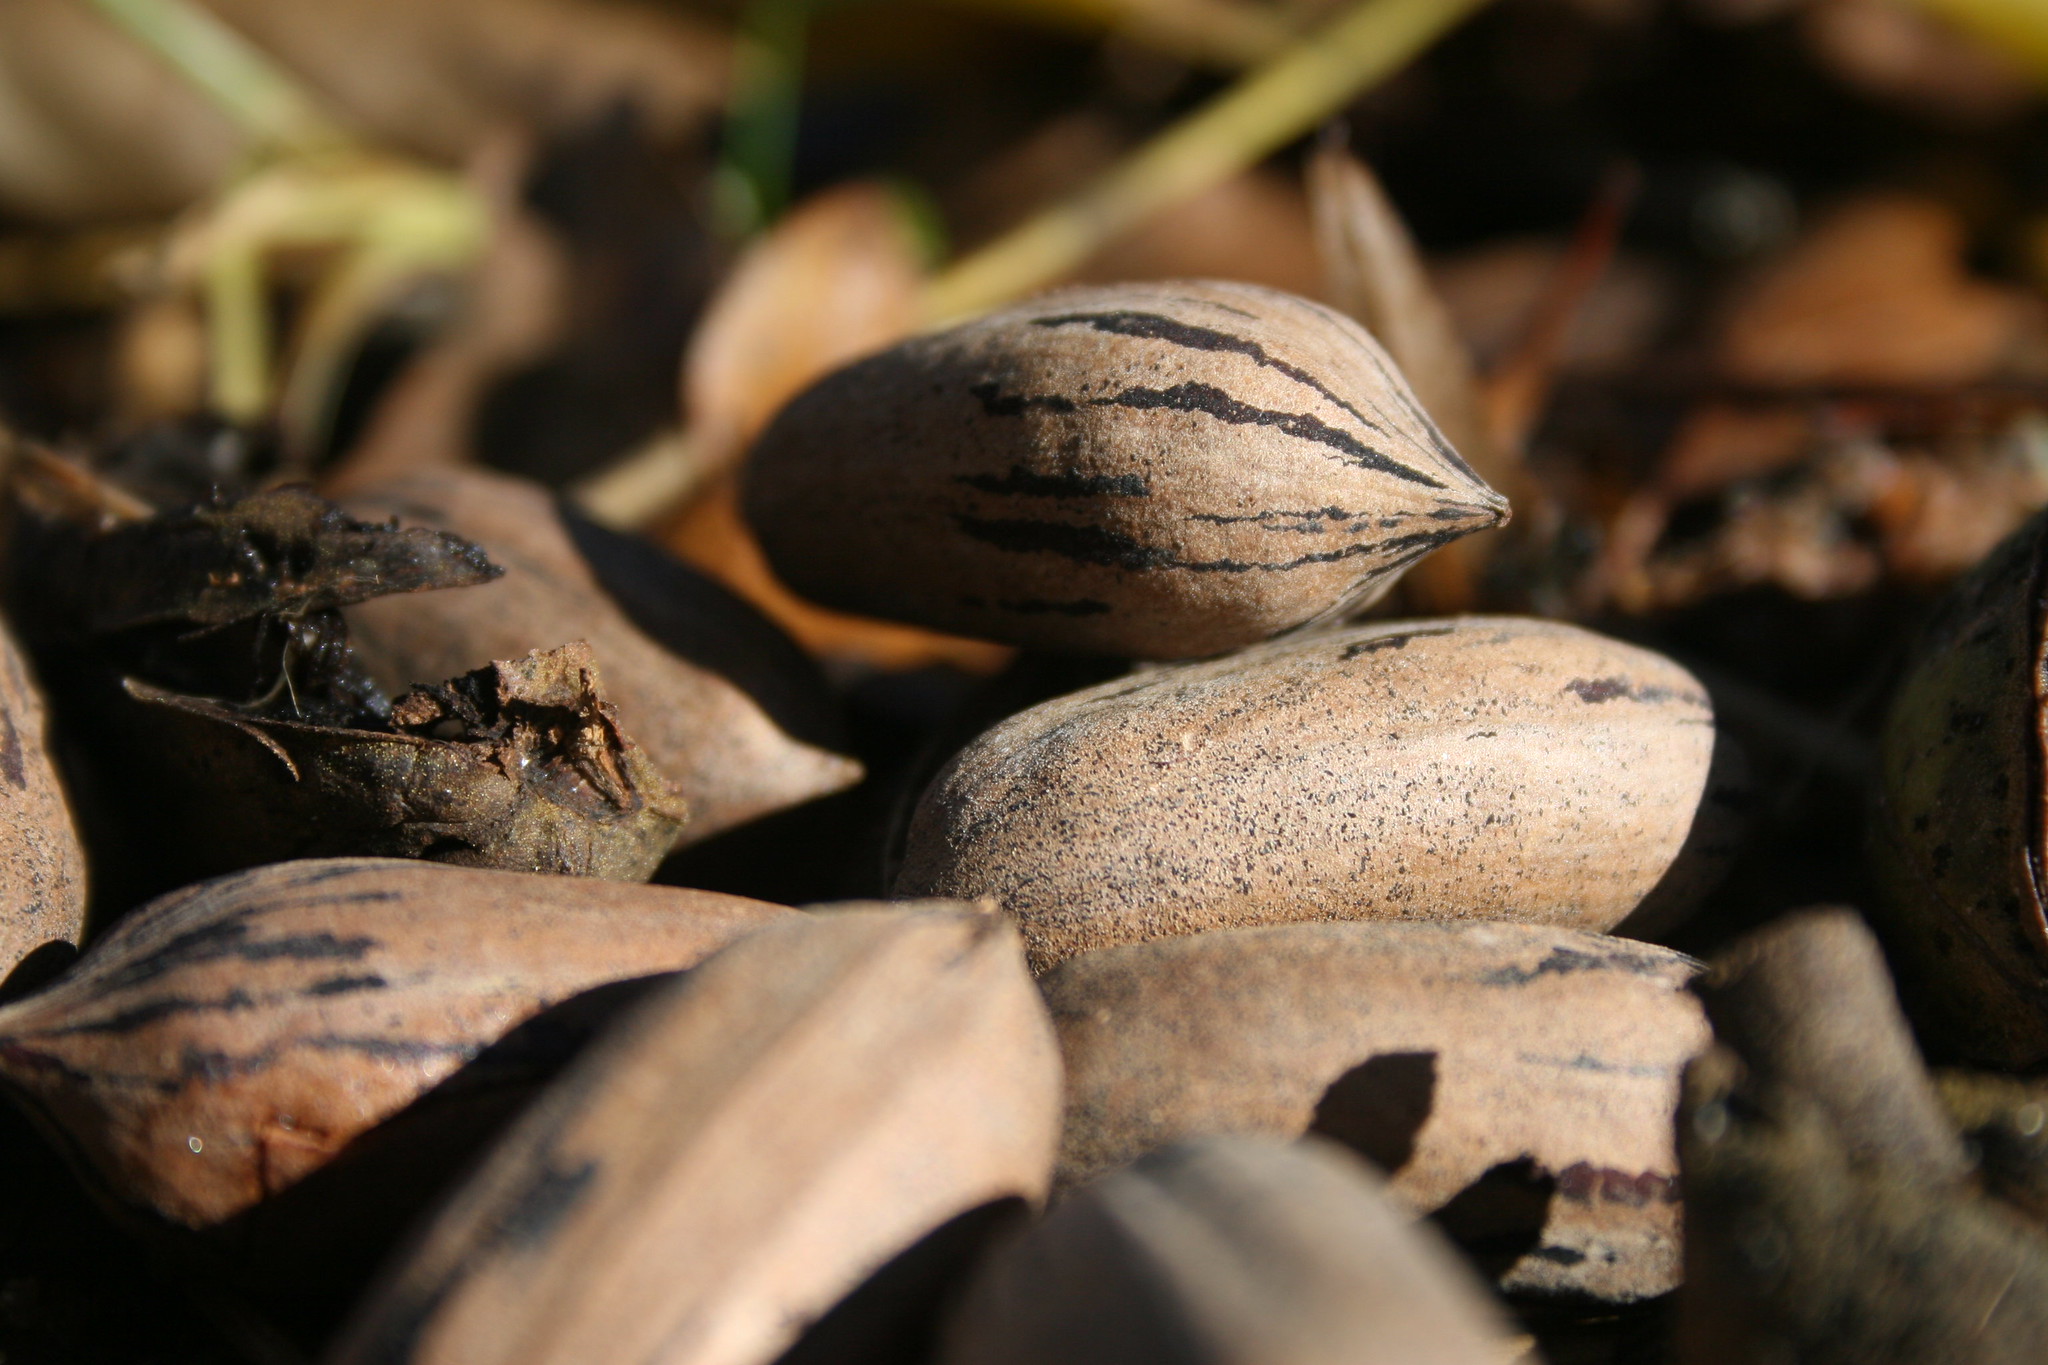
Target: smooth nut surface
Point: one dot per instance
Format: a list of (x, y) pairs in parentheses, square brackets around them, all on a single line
[(1470, 768), (227, 1040), (741, 1152), (1526, 1075), (1228, 1251), (1159, 470)]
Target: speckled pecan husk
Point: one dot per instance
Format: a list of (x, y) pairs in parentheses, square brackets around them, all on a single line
[(1468, 768), (1228, 1251), (741, 1152), (1517, 1080)]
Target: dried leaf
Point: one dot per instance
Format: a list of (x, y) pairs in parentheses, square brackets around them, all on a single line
[(1874, 293), (223, 1042), (712, 536), (838, 277), (2005, 1122), (1375, 274), (284, 552), (741, 1152)]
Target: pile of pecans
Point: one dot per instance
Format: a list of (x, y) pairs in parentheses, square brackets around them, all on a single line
[(1291, 997)]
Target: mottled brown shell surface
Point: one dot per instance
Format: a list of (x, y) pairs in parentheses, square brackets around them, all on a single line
[(1228, 1251), (1162, 471), (1528, 1074), (740, 1153), (721, 747), (42, 867), (225, 1041), (1471, 768), (1962, 826)]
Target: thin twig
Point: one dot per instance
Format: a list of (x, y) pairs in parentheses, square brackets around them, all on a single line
[(1279, 102)]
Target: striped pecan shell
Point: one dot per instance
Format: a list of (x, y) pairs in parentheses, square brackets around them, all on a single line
[(1162, 470)]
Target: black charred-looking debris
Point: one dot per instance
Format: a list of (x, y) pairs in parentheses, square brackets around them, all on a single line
[(1833, 1214), (205, 652)]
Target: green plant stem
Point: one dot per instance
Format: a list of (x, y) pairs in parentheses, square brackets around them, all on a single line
[(238, 325), (1279, 102), (761, 124), (262, 99)]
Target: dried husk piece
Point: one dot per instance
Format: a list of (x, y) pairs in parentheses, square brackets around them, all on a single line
[(741, 1152), (42, 866), (284, 551), (1469, 768), (1161, 470), (1229, 1251), (223, 1042), (1519, 1080), (713, 693), (1830, 1217), (521, 766), (238, 599)]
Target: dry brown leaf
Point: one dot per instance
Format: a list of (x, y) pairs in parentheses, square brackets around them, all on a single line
[(1721, 443), (1491, 292), (741, 1152), (93, 127), (715, 728), (1518, 1079), (1228, 1251), (1373, 272), (712, 536), (1874, 293), (225, 1041), (837, 278), (513, 304)]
